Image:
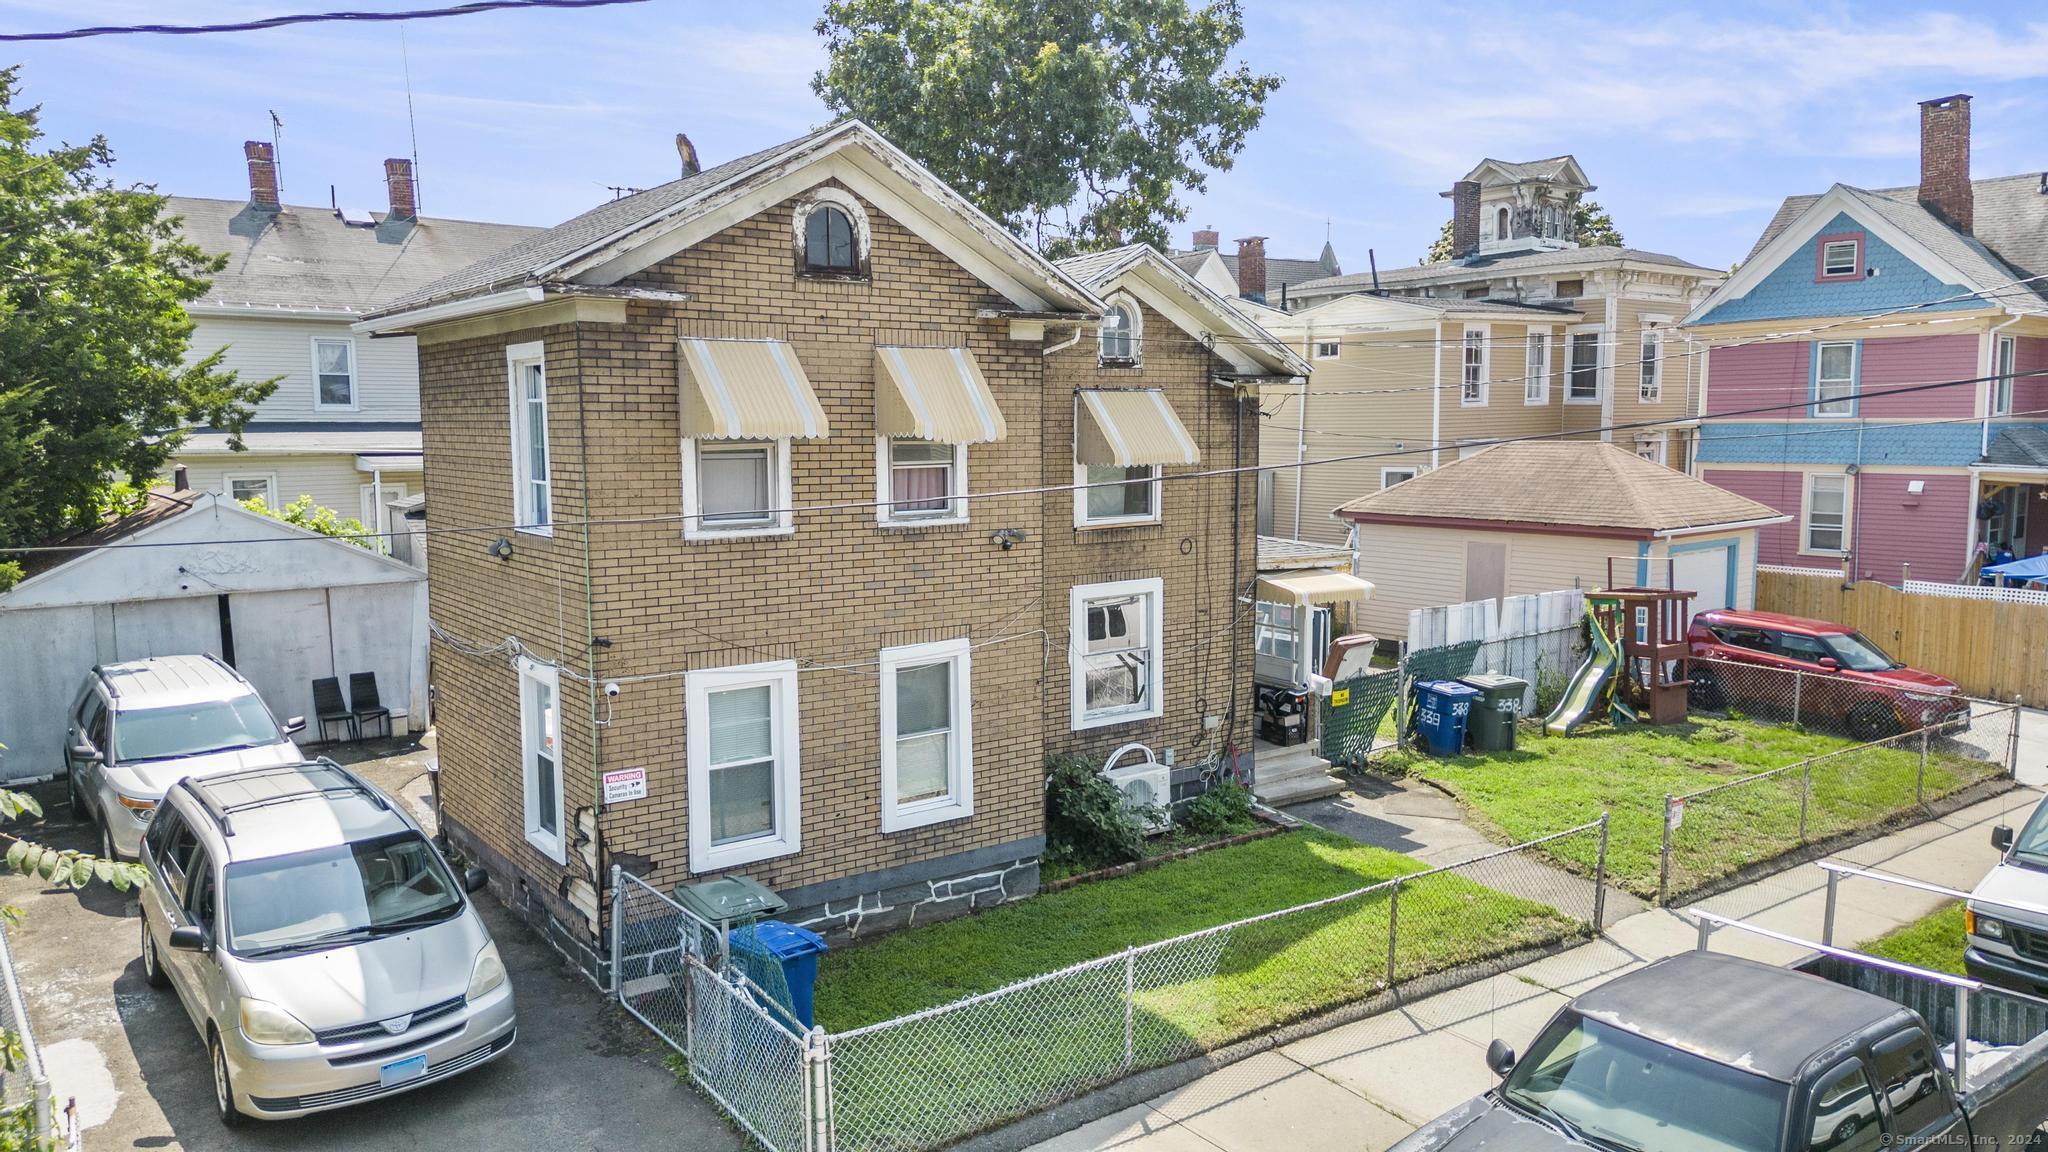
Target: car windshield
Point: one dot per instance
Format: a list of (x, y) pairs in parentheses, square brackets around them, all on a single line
[(1616, 1088), (192, 729), (2031, 845), (338, 895), (1854, 651)]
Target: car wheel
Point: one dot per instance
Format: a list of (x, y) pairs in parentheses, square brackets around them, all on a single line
[(107, 850), (152, 964), (223, 1084), (1846, 1131), (1706, 692), (1872, 721)]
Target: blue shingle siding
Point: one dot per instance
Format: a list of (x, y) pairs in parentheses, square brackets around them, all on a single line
[(1790, 290), (1812, 442)]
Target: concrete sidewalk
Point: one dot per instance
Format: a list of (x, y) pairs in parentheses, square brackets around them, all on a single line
[(1368, 1084)]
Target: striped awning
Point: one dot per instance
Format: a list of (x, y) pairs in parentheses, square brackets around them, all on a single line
[(936, 394), (1313, 586), (747, 390), (1130, 428)]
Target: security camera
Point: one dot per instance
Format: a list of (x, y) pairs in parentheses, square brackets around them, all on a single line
[(611, 688)]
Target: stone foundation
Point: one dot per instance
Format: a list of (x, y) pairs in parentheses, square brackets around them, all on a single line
[(877, 910)]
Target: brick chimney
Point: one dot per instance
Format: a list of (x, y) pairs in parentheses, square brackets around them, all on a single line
[(1945, 160), (1208, 238), (398, 181), (262, 174), (1251, 268), (1464, 218)]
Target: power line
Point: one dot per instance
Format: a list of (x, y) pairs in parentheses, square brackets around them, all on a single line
[(302, 18)]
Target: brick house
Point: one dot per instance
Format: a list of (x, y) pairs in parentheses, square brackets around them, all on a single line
[(1871, 370), (733, 419)]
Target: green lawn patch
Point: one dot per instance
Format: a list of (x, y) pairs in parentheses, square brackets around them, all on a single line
[(1012, 1054), (1934, 941), (1552, 782)]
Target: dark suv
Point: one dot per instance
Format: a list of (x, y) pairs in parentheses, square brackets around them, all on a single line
[(1749, 659)]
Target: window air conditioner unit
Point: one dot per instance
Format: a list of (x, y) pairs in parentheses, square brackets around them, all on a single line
[(1147, 786)]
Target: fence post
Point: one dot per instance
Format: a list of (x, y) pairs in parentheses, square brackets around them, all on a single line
[(1393, 929), (1805, 795), (1401, 701), (818, 1094), (1664, 855), (2012, 756), (1798, 682), (1920, 780), (1827, 919), (618, 934), (1130, 1005), (1600, 880)]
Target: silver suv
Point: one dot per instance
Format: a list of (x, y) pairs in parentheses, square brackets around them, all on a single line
[(140, 726), (319, 942)]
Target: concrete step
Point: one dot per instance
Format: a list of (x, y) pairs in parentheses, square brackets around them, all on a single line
[(1292, 775)]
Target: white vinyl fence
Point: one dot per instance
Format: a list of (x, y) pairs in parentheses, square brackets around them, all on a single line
[(1535, 638)]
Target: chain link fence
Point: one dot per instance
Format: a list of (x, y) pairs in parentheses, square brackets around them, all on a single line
[(1352, 712), (1770, 688), (1714, 837), (25, 1102), (930, 1078)]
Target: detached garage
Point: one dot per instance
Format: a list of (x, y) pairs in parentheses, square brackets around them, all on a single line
[(197, 573), (1534, 517)]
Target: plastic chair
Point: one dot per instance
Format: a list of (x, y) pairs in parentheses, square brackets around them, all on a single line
[(362, 690), (330, 708)]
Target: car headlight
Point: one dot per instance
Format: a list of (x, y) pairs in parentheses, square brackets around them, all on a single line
[(488, 972), (142, 810), (1975, 925), (266, 1023)]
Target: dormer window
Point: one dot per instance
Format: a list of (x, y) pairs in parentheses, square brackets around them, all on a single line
[(831, 236), (1500, 224), (1840, 258), (1120, 334)]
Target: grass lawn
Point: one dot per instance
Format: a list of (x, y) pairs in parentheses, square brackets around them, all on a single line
[(1022, 1051), (1552, 782), (1934, 941)]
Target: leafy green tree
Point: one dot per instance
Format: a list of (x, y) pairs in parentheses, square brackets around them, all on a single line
[(1078, 123), (93, 332), (303, 513), (1594, 227)]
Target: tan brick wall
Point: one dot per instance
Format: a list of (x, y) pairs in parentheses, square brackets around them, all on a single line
[(830, 595)]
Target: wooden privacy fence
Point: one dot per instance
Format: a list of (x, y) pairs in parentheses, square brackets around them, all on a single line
[(1992, 648)]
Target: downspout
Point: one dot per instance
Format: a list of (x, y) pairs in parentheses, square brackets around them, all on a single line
[(1244, 396), (590, 644), (1436, 395), (1301, 427), (1611, 370), (377, 510)]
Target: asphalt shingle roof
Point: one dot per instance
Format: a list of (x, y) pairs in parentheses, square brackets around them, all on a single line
[(158, 505), (310, 258), (1561, 259), (2018, 446), (1575, 483), (1549, 168)]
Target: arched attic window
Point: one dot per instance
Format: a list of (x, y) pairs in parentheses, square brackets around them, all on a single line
[(831, 235), (1500, 225), (1121, 337)]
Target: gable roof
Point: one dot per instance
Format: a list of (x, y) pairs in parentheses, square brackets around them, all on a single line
[(1593, 485), (575, 251), (2017, 446), (1482, 267), (158, 505), (310, 259), (1249, 347), (2011, 218), (1556, 169)]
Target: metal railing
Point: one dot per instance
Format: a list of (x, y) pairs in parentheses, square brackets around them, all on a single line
[(1836, 870), (1714, 833), (932, 1077)]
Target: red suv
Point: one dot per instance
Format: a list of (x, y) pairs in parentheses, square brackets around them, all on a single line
[(1858, 687)]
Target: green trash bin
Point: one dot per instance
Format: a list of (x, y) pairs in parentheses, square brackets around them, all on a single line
[(1492, 726), (727, 903)]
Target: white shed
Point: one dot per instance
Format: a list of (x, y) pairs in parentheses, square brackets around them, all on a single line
[(197, 573)]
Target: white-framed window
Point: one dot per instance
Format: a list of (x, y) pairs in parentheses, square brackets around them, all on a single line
[(1825, 526), (540, 756), (1536, 369), (1582, 374), (2004, 359), (735, 488), (1326, 349), (743, 750), (1841, 258), (1650, 367), (1653, 446), (1477, 364), (1273, 631), (334, 374), (241, 486), (923, 481), (1123, 333), (532, 472), (1392, 476), (1115, 652), (1834, 379), (927, 734), (1127, 495)]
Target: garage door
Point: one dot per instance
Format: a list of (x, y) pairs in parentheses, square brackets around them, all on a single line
[(1705, 572), (188, 627), (282, 646)]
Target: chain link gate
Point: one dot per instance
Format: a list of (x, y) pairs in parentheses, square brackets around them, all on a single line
[(1351, 715)]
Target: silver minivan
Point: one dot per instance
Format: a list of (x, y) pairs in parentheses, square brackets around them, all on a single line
[(322, 946), (140, 726)]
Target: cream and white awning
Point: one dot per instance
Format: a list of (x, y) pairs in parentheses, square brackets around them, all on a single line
[(747, 390), (1130, 428), (1311, 586), (936, 394)]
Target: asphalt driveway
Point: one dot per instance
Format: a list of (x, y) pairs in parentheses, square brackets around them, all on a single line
[(582, 1075)]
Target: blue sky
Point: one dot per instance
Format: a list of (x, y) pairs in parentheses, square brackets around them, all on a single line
[(1693, 119)]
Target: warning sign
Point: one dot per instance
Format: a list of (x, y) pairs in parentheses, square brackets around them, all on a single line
[(625, 784), (1340, 697)]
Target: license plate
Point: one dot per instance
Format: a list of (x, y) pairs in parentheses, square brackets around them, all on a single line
[(402, 1071)]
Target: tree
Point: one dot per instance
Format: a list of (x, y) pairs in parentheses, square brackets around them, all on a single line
[(303, 513), (93, 333), (1077, 123), (1590, 222)]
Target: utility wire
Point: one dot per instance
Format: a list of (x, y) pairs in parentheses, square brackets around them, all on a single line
[(302, 18)]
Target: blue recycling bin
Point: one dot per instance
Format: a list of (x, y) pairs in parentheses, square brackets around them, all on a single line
[(773, 944), (1441, 709)]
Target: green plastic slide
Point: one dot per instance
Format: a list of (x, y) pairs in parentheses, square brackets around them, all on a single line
[(1594, 679)]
